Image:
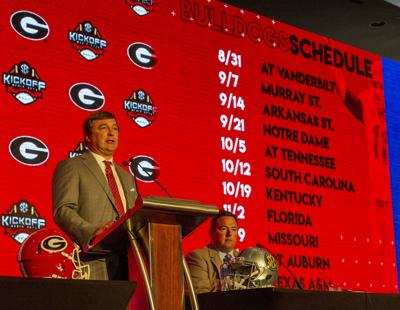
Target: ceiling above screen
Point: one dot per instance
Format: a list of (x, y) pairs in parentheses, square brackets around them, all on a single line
[(371, 25)]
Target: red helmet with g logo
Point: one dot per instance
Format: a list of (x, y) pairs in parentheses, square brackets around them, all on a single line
[(50, 253)]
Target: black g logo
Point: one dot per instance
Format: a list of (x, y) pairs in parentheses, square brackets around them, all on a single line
[(144, 168), (86, 96), (29, 150), (142, 55), (54, 244), (29, 25)]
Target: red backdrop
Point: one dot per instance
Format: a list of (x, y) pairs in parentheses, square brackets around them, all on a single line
[(281, 126)]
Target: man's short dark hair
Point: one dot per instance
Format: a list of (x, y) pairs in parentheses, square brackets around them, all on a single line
[(87, 125), (221, 213)]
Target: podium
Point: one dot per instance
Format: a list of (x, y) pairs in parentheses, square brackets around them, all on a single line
[(155, 232)]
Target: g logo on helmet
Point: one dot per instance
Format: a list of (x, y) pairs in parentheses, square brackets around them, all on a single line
[(29, 25), (53, 244), (50, 253)]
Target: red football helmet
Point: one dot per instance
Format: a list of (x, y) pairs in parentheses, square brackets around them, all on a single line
[(50, 253)]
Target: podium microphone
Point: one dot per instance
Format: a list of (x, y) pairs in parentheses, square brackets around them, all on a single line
[(259, 245), (148, 174)]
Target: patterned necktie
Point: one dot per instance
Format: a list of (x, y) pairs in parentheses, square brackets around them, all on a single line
[(227, 259), (114, 188)]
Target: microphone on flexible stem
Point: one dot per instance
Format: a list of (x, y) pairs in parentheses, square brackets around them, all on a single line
[(259, 245), (148, 174)]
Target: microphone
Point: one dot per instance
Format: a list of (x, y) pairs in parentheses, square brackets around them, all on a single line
[(259, 245), (148, 174)]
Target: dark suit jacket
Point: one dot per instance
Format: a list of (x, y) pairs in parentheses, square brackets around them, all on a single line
[(82, 199)]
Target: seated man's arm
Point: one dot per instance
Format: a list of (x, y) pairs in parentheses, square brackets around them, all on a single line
[(65, 204), (199, 271)]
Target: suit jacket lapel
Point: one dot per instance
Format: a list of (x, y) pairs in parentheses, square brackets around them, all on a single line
[(215, 259)]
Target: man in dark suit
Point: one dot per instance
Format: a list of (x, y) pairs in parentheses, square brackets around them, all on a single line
[(205, 263), (91, 191)]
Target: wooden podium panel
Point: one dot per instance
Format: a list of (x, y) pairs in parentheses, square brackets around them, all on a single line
[(161, 239), (166, 264)]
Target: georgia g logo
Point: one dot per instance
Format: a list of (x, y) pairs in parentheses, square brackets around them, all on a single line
[(142, 55), (144, 168), (54, 244), (29, 25), (86, 96), (28, 150)]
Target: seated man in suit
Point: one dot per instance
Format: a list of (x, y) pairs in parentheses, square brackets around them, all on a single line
[(91, 191), (205, 263)]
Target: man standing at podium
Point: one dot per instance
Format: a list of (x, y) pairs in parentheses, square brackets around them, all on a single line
[(205, 263), (91, 191)]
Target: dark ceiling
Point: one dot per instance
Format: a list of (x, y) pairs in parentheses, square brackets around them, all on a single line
[(372, 25)]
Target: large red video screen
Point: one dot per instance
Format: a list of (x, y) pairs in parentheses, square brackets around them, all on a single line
[(281, 126)]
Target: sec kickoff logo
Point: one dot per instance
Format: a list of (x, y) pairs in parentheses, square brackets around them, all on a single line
[(29, 25), (87, 40), (86, 96), (80, 148), (28, 150), (140, 108), (24, 83), (21, 220), (141, 7), (142, 55)]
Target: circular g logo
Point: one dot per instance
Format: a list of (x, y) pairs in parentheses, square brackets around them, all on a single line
[(86, 96), (29, 150), (29, 25), (54, 244), (144, 168), (142, 55)]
